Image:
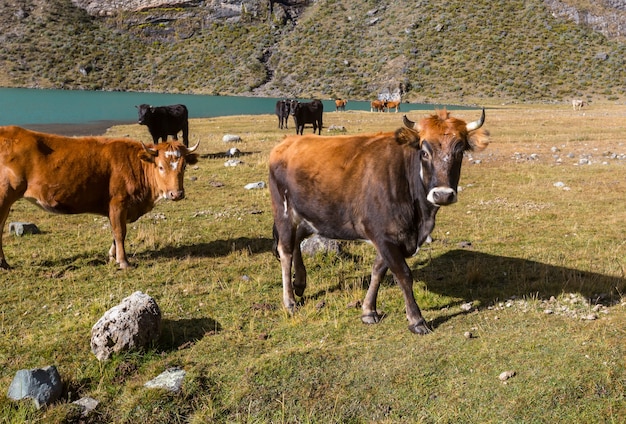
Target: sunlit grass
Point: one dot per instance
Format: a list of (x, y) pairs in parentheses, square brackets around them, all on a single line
[(512, 239)]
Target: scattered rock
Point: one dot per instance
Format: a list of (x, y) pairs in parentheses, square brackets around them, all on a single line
[(233, 151), (21, 228), (254, 186), (336, 128), (466, 307), (233, 162), (356, 304), (87, 405), (42, 385), (231, 138), (170, 380), (505, 375), (468, 335), (133, 324), (316, 243)]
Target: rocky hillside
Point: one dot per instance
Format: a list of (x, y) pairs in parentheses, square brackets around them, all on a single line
[(457, 51)]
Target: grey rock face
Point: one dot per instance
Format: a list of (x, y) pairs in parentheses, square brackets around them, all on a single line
[(42, 385), (133, 324), (171, 380)]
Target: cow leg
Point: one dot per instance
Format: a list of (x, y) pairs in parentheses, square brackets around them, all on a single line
[(4, 214), (370, 314), (186, 136), (401, 271), (118, 226), (299, 283)]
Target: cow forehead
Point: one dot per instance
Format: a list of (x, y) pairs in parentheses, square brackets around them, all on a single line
[(443, 132)]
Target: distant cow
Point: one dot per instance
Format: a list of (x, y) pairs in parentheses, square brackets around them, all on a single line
[(165, 120), (283, 109), (385, 188), (378, 105), (340, 104), (308, 113), (117, 178), (577, 104), (393, 105)]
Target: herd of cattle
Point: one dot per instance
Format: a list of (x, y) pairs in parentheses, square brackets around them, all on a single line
[(385, 188)]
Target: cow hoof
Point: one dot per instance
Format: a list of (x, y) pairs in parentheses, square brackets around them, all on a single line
[(299, 290), (4, 264), (421, 328), (371, 318)]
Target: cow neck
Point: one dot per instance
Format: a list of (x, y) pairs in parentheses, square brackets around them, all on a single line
[(424, 211)]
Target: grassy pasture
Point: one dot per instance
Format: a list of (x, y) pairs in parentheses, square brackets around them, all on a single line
[(514, 245)]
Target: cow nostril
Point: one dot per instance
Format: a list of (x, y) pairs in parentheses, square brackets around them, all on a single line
[(442, 196), (176, 195)]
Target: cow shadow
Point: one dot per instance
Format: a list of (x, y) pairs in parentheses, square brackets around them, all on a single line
[(462, 275), (213, 249), (182, 333)]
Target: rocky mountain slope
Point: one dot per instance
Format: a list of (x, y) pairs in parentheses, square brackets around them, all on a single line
[(457, 51)]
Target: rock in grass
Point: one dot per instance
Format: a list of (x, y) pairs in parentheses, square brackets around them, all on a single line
[(170, 380), (86, 405), (133, 324), (505, 375), (21, 228), (42, 385)]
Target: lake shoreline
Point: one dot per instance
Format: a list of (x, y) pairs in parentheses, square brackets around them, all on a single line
[(76, 130)]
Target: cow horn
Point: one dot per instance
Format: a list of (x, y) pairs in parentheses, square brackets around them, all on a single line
[(194, 147), (407, 122), (476, 124), (152, 152)]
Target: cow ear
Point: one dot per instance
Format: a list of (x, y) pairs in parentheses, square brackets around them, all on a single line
[(191, 158), (407, 136), (478, 139), (146, 157)]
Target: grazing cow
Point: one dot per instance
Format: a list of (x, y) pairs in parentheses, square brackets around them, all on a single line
[(165, 120), (307, 113), (393, 105), (385, 188), (113, 177), (283, 108), (340, 104), (378, 105), (577, 104)]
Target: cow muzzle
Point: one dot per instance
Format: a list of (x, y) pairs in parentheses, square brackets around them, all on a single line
[(174, 195), (441, 196)]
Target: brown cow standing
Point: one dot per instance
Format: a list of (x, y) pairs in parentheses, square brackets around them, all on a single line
[(117, 178), (385, 188), (378, 105), (393, 105), (340, 104)]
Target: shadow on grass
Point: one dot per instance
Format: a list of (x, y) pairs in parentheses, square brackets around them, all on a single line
[(212, 249), (476, 276), (464, 275), (182, 333)]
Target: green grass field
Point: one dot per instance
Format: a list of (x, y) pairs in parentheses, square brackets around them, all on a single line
[(542, 265)]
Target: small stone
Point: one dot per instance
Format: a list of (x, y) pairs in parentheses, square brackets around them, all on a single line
[(231, 138), (468, 335), (255, 186), (42, 385), (505, 375), (466, 307), (86, 405), (170, 380), (589, 317)]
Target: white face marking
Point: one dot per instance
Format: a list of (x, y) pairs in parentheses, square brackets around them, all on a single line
[(172, 153), (174, 165)]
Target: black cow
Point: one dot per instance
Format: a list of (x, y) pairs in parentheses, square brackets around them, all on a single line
[(307, 113), (283, 108), (165, 120)]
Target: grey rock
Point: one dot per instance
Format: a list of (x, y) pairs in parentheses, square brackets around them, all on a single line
[(231, 138), (21, 228), (170, 380), (42, 385), (232, 162), (87, 405), (316, 243), (133, 324), (253, 186)]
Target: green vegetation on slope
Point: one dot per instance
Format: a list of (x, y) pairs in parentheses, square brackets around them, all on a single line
[(464, 51)]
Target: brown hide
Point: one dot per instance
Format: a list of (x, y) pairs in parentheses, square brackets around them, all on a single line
[(385, 188), (116, 178)]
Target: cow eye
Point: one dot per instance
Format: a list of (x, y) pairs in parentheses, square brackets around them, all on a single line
[(425, 155)]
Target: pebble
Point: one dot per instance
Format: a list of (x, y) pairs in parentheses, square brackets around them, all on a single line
[(505, 375)]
